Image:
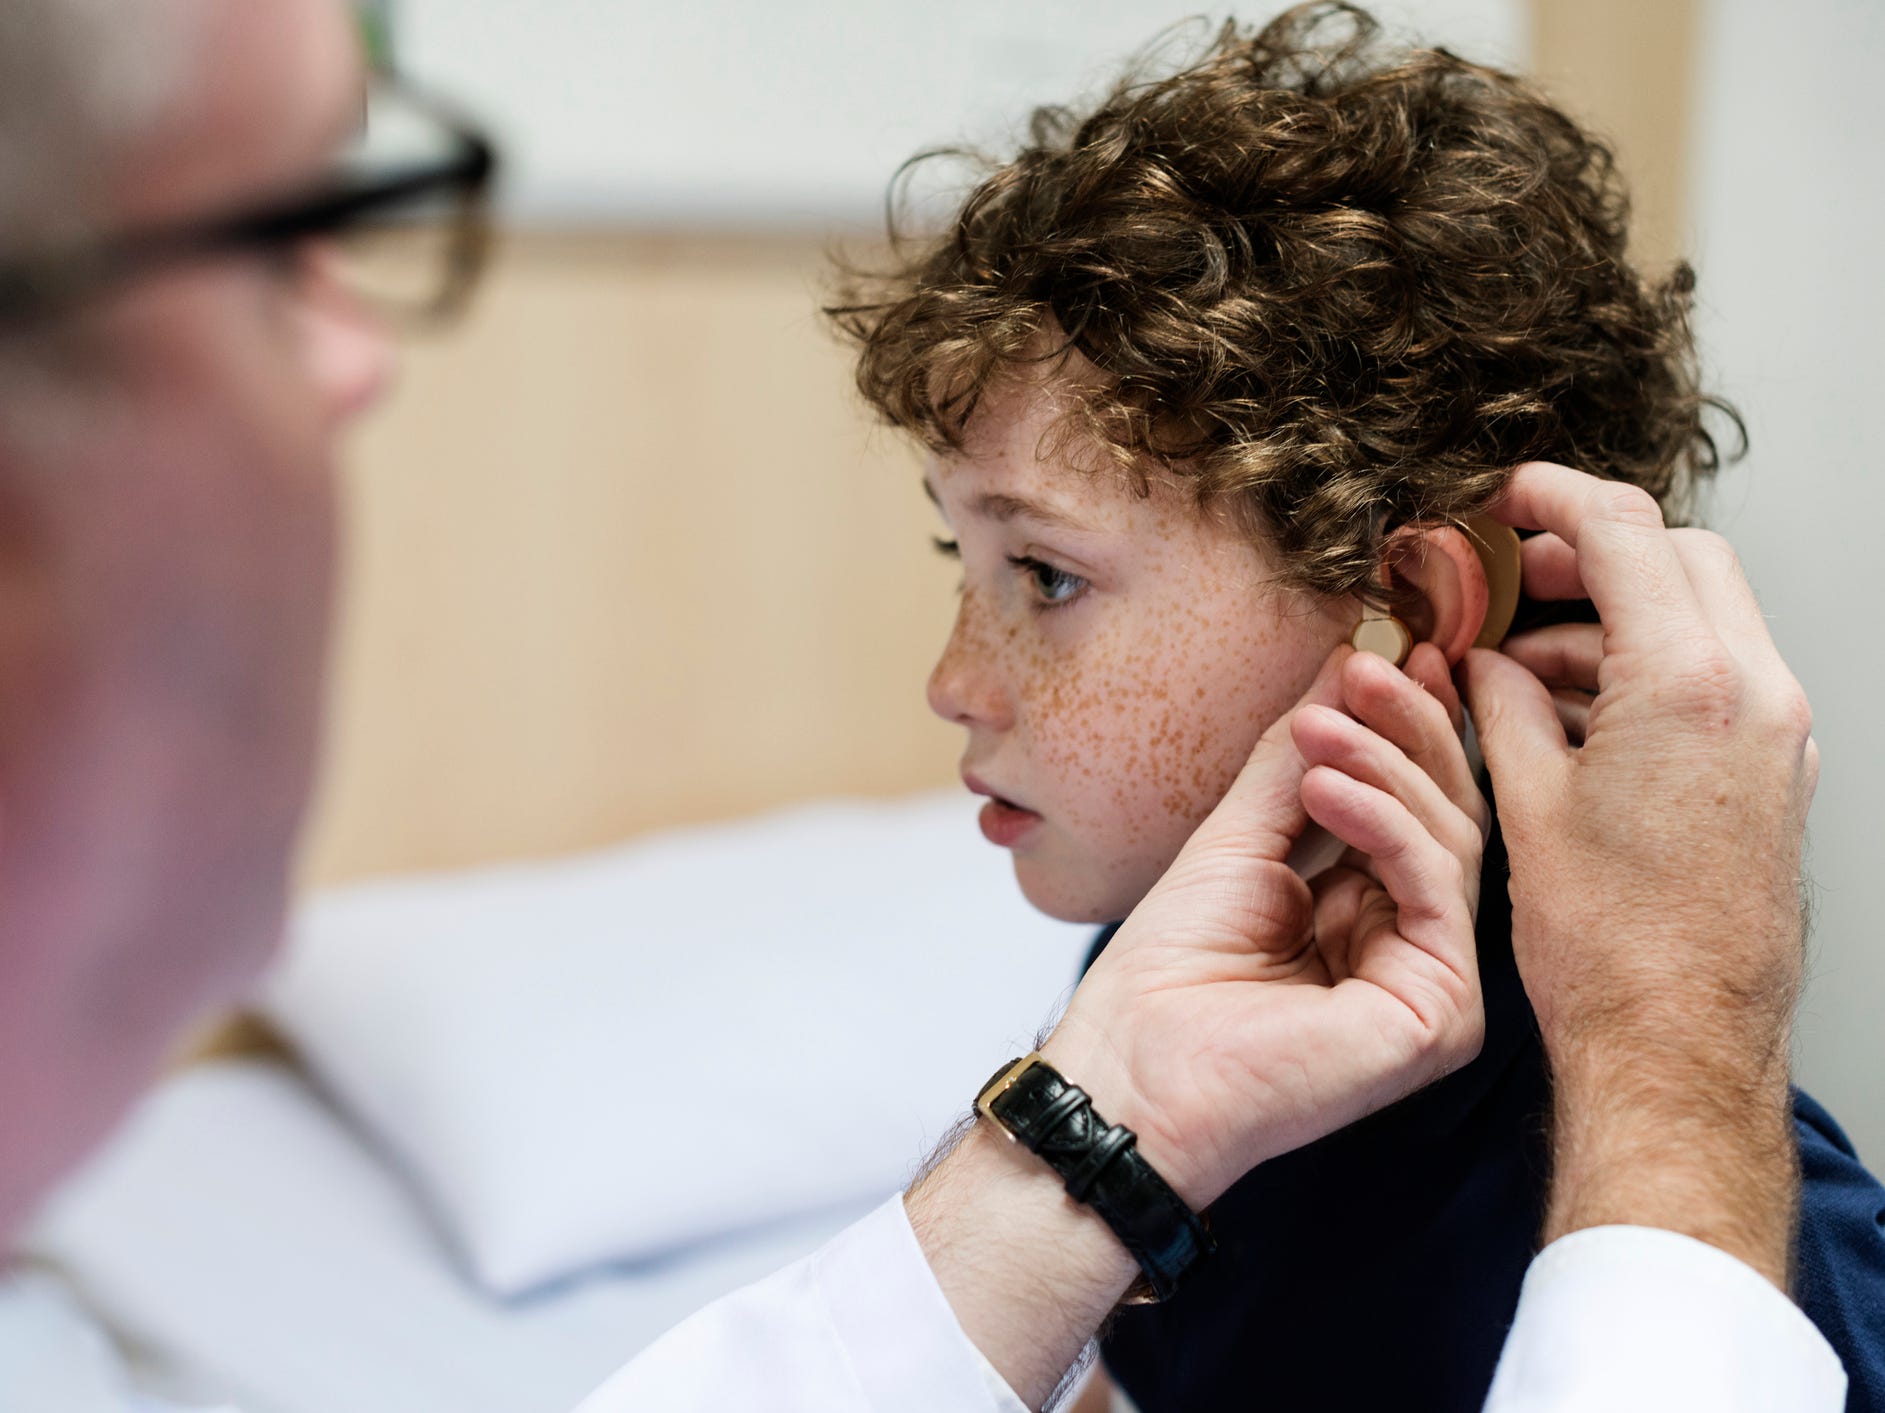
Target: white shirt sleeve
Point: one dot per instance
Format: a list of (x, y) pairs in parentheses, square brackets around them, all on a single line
[(1638, 1320), (1610, 1320), (859, 1326)]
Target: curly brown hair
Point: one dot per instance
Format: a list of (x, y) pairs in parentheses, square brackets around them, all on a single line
[(1338, 286)]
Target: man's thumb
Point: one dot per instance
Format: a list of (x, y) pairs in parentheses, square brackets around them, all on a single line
[(1513, 716)]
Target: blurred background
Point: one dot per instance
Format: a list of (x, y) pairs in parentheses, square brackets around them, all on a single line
[(628, 553)]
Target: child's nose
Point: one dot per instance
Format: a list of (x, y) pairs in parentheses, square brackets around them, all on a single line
[(965, 686)]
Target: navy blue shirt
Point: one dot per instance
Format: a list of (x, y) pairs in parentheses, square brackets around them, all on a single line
[(1379, 1268)]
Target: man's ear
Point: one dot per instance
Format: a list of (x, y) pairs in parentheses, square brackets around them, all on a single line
[(1439, 564)]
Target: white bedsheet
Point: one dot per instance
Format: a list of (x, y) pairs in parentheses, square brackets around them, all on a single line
[(244, 1241)]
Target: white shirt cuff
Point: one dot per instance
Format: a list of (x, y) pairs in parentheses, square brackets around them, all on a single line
[(1622, 1319), (901, 1331), (858, 1326)]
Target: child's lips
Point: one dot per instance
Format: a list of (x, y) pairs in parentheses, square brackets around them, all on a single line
[(1004, 823)]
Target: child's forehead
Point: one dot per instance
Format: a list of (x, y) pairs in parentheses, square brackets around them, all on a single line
[(991, 497), (1043, 492), (1027, 441)]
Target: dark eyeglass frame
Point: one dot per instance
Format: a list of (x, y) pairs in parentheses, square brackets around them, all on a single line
[(42, 287)]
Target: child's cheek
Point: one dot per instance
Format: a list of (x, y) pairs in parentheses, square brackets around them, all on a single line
[(1145, 728), (1077, 704), (1215, 663)]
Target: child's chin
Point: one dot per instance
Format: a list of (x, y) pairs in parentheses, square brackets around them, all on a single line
[(1067, 898)]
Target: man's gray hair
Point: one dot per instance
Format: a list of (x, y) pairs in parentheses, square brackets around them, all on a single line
[(77, 78)]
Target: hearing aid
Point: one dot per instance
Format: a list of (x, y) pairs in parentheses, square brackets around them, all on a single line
[(1497, 546)]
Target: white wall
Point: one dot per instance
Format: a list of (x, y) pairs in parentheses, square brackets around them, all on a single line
[(755, 112), (1790, 211)]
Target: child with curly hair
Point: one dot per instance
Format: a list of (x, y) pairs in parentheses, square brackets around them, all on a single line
[(1209, 374)]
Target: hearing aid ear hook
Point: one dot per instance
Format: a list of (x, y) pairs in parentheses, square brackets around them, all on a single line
[(1496, 544)]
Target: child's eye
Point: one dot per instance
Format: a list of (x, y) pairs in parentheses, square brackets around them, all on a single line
[(948, 549), (1055, 586)]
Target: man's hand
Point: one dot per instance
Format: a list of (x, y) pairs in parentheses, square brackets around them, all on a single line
[(1239, 1012), (1656, 906)]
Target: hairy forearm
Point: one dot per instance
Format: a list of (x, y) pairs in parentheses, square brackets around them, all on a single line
[(1030, 1273), (1692, 1145)]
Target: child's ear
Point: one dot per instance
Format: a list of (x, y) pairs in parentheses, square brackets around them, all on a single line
[(1440, 564)]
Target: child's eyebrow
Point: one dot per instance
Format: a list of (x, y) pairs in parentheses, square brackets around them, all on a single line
[(1001, 508)]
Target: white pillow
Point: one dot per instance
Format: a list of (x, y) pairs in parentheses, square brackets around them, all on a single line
[(613, 1057), (250, 1249)]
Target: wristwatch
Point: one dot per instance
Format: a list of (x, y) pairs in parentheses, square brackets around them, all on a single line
[(1032, 1102)]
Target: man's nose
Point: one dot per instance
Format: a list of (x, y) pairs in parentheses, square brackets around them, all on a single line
[(349, 350), (967, 686)]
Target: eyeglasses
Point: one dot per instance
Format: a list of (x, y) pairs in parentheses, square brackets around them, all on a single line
[(405, 214)]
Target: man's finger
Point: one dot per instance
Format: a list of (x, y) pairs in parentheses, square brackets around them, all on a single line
[(1329, 738), (1516, 720), (1427, 665), (1562, 655), (1726, 597), (1425, 880), (1624, 555), (1548, 570), (1390, 704)]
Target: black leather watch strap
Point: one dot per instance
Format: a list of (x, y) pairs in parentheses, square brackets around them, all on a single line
[(1039, 1109)]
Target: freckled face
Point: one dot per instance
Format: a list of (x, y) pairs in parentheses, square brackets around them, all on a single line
[(1114, 660)]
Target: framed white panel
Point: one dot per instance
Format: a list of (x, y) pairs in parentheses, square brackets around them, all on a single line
[(757, 114)]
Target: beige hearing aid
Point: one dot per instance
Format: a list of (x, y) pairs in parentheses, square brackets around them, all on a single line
[(1382, 634), (1496, 544)]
